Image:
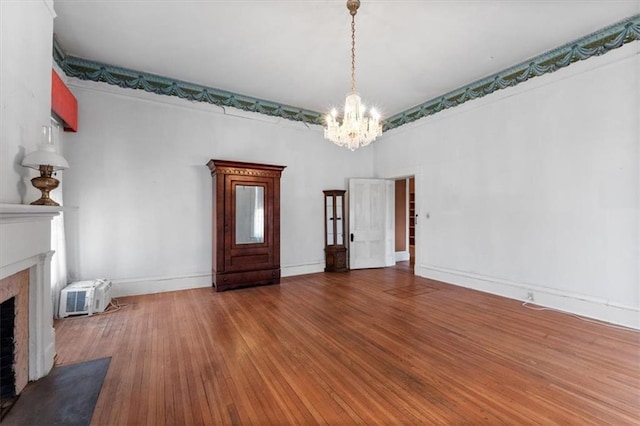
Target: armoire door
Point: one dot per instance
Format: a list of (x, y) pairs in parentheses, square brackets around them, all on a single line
[(250, 241)]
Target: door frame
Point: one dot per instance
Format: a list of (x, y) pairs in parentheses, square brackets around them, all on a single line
[(416, 173)]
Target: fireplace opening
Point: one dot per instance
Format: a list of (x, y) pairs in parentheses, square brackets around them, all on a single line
[(7, 357)]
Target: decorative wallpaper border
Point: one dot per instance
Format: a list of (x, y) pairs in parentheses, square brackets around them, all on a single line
[(85, 69), (595, 44)]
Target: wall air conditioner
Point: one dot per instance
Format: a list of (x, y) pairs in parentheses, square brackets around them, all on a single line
[(85, 297)]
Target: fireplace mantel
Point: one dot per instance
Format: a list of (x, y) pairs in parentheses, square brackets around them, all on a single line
[(27, 211), (25, 244)]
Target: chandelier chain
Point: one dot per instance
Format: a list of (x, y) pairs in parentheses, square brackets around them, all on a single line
[(353, 53)]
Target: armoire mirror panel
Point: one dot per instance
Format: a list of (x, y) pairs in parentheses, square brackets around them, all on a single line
[(249, 217)]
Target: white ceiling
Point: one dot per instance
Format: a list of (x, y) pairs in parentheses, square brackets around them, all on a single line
[(298, 52)]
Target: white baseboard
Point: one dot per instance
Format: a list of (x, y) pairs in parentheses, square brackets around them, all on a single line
[(151, 285), (308, 268), (49, 356), (587, 306), (43, 364), (401, 256)]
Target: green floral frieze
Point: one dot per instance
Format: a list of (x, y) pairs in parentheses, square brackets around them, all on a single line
[(95, 71), (594, 44)]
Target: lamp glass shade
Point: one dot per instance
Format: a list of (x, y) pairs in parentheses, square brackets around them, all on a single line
[(45, 158), (46, 154)]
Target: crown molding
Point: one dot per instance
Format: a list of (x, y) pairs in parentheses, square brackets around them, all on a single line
[(85, 69), (595, 44), (49, 4)]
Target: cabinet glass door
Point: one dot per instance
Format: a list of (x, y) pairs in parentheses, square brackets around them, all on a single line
[(334, 231), (330, 216), (334, 214), (339, 220)]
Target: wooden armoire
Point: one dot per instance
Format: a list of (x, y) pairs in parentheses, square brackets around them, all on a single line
[(245, 224)]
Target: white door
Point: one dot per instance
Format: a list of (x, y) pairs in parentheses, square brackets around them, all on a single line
[(371, 221)]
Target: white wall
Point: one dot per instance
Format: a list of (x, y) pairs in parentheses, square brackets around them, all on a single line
[(530, 189), (139, 178), (534, 188), (25, 91)]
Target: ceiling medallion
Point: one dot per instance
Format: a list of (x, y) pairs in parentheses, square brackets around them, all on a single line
[(356, 129)]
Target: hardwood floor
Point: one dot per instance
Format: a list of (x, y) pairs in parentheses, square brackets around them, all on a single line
[(367, 347)]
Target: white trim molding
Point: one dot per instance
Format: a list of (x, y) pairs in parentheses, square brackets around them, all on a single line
[(26, 244), (302, 269), (151, 285), (52, 11), (573, 303)]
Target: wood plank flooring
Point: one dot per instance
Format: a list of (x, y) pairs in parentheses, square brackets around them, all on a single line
[(365, 347)]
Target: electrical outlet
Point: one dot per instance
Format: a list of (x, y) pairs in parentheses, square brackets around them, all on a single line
[(530, 296)]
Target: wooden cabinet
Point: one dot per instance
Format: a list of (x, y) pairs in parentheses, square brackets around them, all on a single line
[(335, 248), (245, 224)]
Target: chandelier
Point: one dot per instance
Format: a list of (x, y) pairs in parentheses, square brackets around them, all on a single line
[(356, 129)]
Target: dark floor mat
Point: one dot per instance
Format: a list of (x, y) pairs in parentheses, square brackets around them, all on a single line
[(67, 396)]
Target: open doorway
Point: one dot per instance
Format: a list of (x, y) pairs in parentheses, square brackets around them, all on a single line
[(382, 223), (405, 221)]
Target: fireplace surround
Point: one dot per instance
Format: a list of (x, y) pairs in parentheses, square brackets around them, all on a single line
[(7, 348), (25, 251)]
